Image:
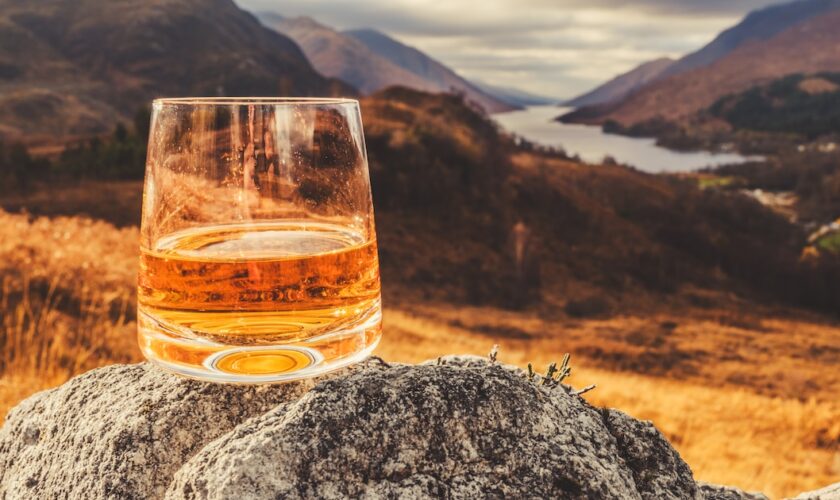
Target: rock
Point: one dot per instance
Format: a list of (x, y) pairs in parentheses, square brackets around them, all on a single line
[(461, 427), (120, 432), (716, 492), (455, 430), (831, 492), (656, 466)]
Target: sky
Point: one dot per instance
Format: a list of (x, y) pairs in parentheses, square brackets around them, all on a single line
[(557, 48)]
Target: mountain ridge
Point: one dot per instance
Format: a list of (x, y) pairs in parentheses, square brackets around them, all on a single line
[(758, 25), (810, 46), (620, 86), (373, 61), (418, 62), (75, 70), (343, 57)]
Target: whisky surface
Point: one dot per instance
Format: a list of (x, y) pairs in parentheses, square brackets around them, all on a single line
[(258, 299)]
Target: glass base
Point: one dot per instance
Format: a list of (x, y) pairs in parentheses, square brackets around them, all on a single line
[(257, 362)]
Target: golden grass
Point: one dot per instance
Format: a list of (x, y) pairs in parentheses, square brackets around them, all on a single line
[(67, 306), (66, 301)]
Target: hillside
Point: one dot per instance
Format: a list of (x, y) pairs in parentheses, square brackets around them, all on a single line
[(805, 106), (623, 84), (341, 57), (431, 70), (450, 191), (757, 26), (372, 61), (809, 46), (75, 68), (799, 117)]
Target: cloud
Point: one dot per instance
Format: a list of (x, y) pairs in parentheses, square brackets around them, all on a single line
[(554, 47)]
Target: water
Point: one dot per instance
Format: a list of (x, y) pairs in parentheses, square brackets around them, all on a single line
[(536, 124)]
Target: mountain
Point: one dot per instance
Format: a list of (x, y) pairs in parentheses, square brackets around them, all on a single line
[(343, 57), (515, 96), (373, 61), (432, 70), (75, 68), (623, 84), (811, 46), (757, 26)]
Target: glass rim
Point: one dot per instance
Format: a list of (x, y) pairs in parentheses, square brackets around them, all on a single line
[(244, 101)]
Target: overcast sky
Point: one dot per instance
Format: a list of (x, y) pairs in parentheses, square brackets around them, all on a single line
[(558, 48)]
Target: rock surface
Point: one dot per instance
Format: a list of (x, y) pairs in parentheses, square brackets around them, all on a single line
[(461, 427), (120, 432), (716, 492), (426, 431), (831, 492)]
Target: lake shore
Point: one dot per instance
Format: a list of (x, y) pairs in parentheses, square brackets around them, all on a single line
[(589, 142)]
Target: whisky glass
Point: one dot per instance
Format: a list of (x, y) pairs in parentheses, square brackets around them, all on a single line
[(258, 250)]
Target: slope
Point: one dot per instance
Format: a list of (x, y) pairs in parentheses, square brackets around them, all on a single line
[(342, 57), (809, 47), (623, 84), (75, 68), (428, 68)]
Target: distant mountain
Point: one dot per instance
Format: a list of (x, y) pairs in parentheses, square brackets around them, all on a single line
[(427, 68), (757, 26), (515, 96), (810, 46), (623, 84), (373, 61), (340, 56), (75, 68)]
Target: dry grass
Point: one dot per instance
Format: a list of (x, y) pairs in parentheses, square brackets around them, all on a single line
[(67, 306), (43, 346), (66, 302)]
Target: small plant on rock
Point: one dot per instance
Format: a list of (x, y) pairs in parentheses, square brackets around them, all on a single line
[(553, 377)]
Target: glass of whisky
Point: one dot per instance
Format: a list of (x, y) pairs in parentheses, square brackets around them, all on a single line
[(258, 251)]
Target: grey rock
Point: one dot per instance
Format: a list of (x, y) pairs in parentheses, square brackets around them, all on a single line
[(831, 492), (457, 427), (120, 432), (717, 492), (658, 470), (436, 430)]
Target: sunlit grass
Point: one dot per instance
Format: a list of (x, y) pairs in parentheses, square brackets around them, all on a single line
[(66, 301), (43, 346)]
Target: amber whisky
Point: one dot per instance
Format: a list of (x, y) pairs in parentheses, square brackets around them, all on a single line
[(259, 302)]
